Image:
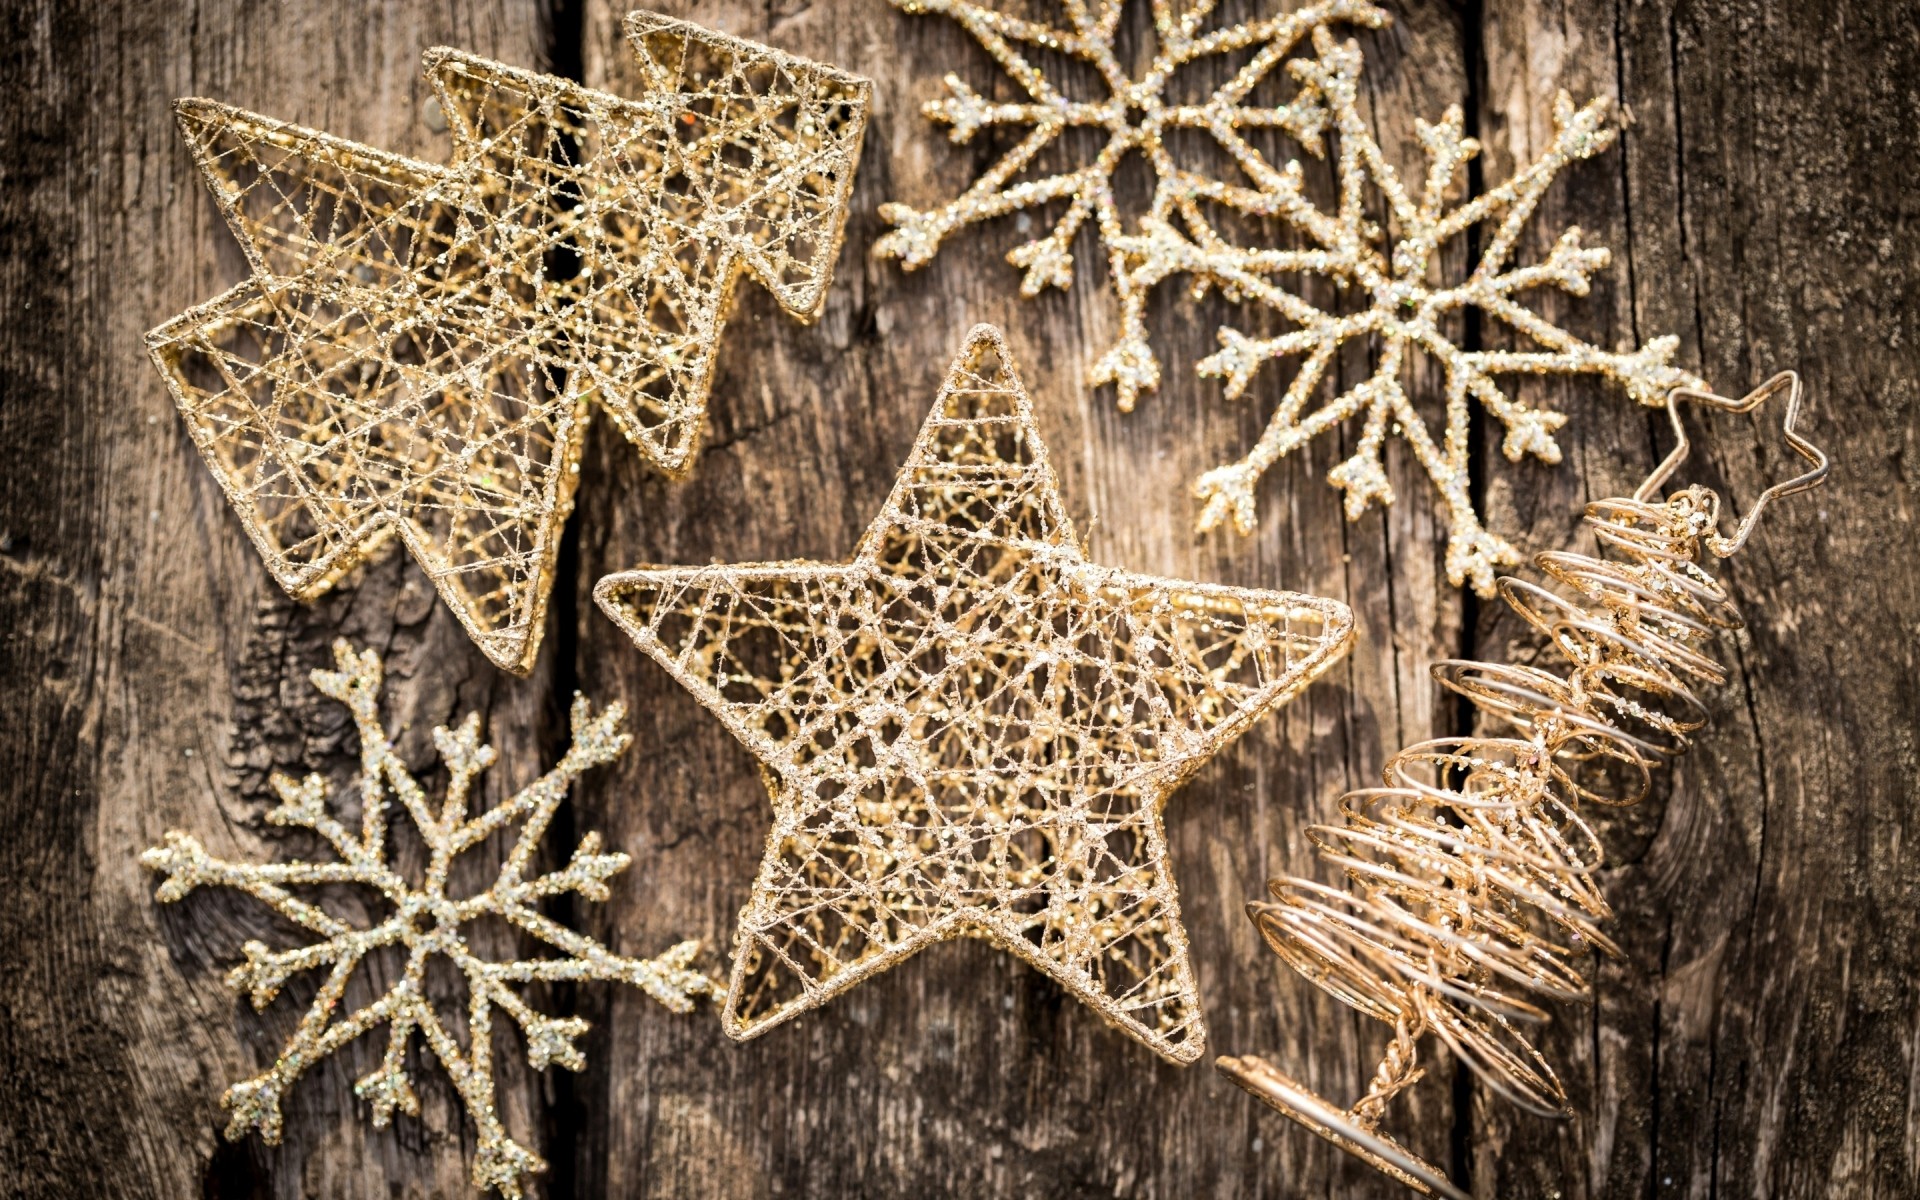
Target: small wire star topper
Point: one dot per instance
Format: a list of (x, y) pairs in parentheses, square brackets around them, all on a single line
[(415, 351), (424, 922), (970, 730)]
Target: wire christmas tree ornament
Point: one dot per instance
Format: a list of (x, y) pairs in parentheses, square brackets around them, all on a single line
[(1471, 894), (424, 923), (970, 729), (418, 346)]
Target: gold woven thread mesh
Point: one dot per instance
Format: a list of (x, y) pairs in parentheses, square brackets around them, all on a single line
[(1471, 893), (415, 351), (970, 729)]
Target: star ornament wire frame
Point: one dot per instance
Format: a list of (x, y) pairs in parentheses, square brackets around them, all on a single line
[(970, 729), (416, 350)]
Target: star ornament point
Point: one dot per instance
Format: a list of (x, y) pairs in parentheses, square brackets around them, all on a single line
[(418, 346), (970, 729)]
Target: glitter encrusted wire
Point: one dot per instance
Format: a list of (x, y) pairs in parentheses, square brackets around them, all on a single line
[(425, 922), (970, 729), (416, 349), (1137, 117), (1407, 310), (1471, 889)]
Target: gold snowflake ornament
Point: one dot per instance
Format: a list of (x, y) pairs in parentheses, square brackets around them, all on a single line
[(1405, 311), (970, 729), (416, 348), (425, 921), (1135, 117)]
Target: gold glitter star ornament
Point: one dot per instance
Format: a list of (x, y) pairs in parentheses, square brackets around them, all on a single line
[(425, 922), (970, 730), (416, 348)]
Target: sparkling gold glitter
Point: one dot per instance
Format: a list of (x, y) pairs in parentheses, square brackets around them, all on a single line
[(970, 730), (1406, 310), (1471, 878), (425, 922), (415, 351), (1137, 118)]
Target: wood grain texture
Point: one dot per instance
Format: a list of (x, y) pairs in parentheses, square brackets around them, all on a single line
[(1761, 1039)]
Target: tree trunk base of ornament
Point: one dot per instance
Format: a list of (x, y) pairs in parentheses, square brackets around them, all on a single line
[(1281, 1093)]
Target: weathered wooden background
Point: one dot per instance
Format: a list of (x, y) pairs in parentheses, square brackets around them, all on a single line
[(1762, 1039)]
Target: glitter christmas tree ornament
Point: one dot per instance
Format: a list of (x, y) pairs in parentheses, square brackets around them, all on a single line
[(970, 729), (424, 922), (417, 347), (1471, 891), (1140, 114), (1404, 310)]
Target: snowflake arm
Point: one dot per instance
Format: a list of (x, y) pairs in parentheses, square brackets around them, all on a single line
[(426, 922), (1405, 313), (1136, 118), (188, 866)]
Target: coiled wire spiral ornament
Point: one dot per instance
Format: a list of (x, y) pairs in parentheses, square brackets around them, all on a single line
[(1470, 895)]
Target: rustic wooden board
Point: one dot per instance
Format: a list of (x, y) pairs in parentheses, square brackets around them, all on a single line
[(1760, 1039)]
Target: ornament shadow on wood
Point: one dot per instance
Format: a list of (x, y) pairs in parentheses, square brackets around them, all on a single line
[(1470, 877), (417, 347), (425, 922), (970, 730)]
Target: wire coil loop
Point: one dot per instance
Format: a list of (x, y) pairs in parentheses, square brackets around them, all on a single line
[(1470, 895)]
